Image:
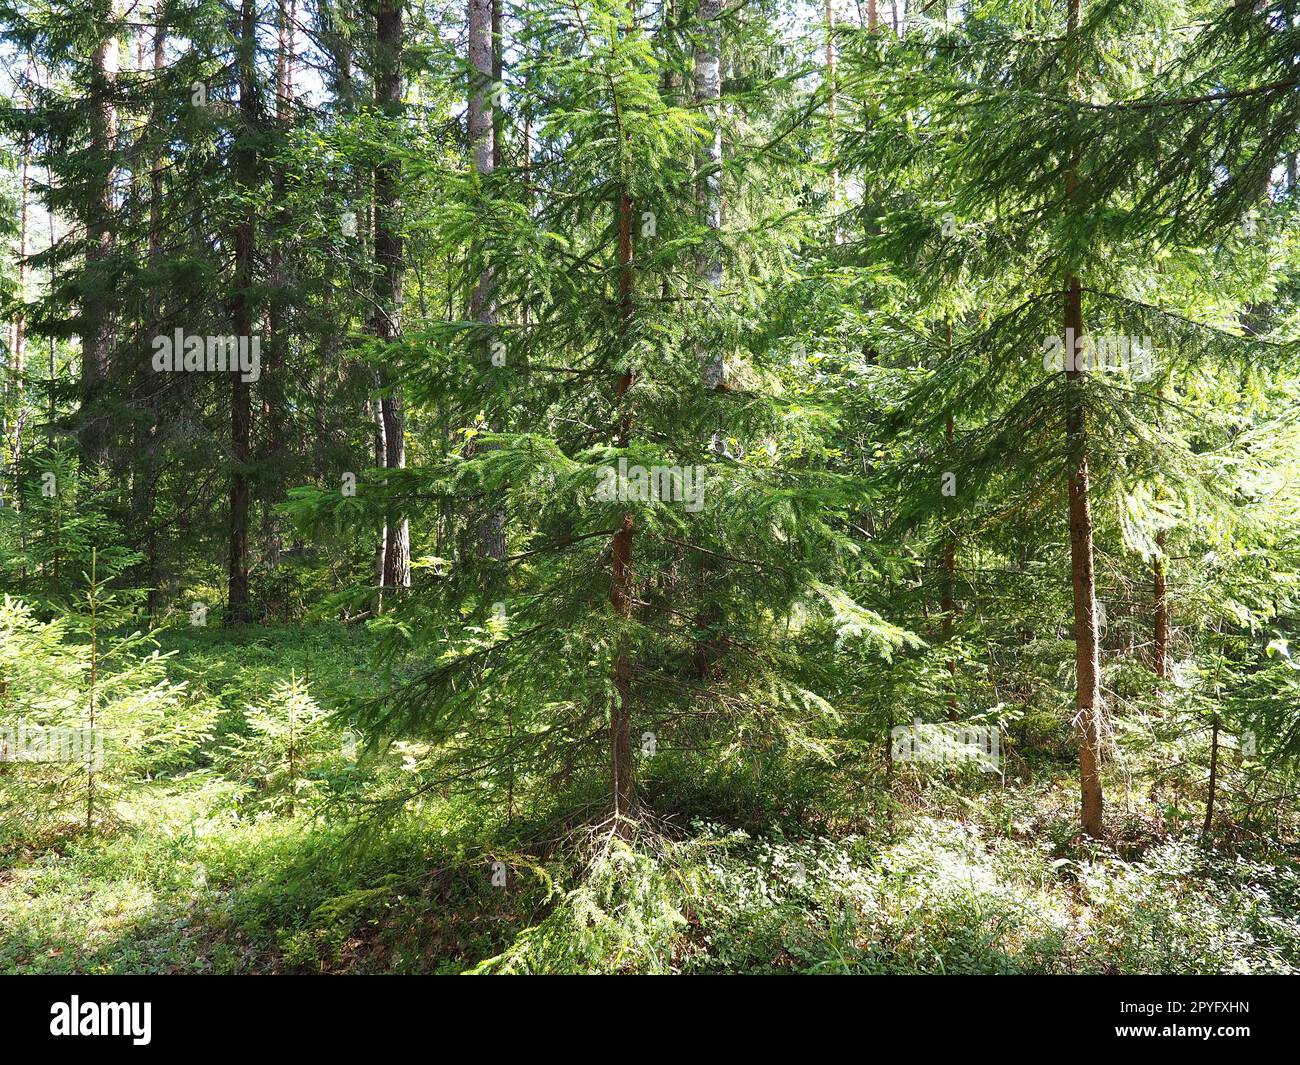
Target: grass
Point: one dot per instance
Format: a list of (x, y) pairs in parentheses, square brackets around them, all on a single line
[(200, 875)]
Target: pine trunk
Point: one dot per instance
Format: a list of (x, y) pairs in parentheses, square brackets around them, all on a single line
[(1087, 653), (1161, 597), (1214, 781), (622, 778), (489, 522), (708, 95), (96, 328), (1087, 656), (239, 606), (386, 323), (18, 333)]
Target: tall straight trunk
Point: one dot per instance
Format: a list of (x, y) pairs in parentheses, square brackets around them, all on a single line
[(1213, 782), (274, 406), (830, 114), (387, 320), (148, 427), (622, 779), (622, 770), (707, 90), (1160, 595), (873, 17), (1161, 598), (286, 17), (949, 605), (381, 461), (489, 521), (97, 327), (498, 71), (18, 332), (239, 607), (482, 63), (708, 97), (1087, 657), (1087, 653)]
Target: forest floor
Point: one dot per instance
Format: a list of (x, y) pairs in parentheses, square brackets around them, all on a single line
[(971, 879)]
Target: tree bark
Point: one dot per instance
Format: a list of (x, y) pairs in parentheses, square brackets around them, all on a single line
[(949, 605), (145, 477), (489, 521), (949, 608), (497, 72), (622, 770), (1087, 652), (1087, 658), (1214, 780), (1161, 597), (18, 332), (708, 96), (622, 781), (387, 320), (274, 405), (239, 606), (97, 326), (381, 461), (830, 115)]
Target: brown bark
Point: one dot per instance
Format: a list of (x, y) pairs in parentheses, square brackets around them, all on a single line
[(18, 330), (1087, 653), (147, 432), (1161, 597), (1214, 780), (239, 607), (622, 780), (386, 323), (622, 784), (497, 72), (97, 326), (708, 96), (381, 460), (949, 605), (273, 378), (488, 523), (830, 114)]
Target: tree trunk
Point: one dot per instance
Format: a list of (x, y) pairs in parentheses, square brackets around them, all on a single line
[(497, 72), (381, 461), (274, 405), (622, 770), (1087, 658), (708, 95), (18, 333), (949, 605), (387, 320), (97, 326), (830, 115), (622, 781), (1087, 654), (1161, 597), (1214, 780), (489, 521), (239, 607), (147, 429)]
